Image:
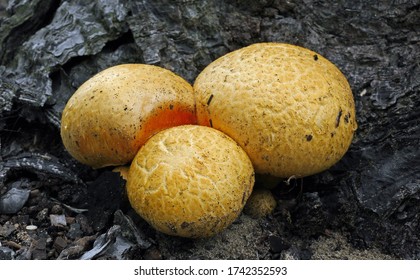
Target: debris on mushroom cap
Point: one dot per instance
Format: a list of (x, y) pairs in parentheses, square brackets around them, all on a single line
[(191, 181), (113, 113), (288, 107), (260, 203)]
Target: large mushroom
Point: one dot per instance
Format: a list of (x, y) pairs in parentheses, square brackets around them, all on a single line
[(190, 181), (113, 113), (288, 107)]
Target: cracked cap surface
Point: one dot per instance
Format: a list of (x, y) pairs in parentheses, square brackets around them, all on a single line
[(288, 107), (191, 181)]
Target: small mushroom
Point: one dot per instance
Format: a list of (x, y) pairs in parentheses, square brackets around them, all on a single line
[(113, 113), (260, 204), (282, 104), (190, 181)]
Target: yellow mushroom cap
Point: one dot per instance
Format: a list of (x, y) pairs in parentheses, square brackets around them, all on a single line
[(113, 113), (260, 203), (190, 181), (288, 107)]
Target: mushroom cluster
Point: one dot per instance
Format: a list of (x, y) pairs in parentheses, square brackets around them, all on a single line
[(276, 109)]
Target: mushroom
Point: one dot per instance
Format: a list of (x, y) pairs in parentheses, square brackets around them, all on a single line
[(113, 113), (288, 107), (260, 203), (190, 181)]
